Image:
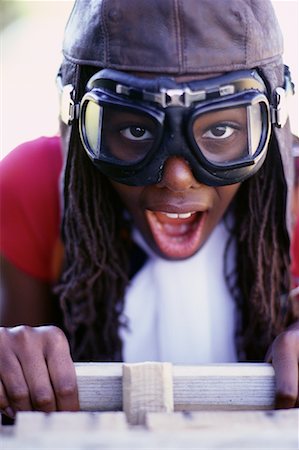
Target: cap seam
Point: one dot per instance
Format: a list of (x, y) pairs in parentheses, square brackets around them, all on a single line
[(246, 36), (92, 62), (178, 33), (106, 46), (76, 80)]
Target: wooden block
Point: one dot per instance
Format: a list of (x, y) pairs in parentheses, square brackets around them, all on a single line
[(203, 387), (147, 387)]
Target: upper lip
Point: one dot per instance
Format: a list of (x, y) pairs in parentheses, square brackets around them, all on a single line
[(165, 201)]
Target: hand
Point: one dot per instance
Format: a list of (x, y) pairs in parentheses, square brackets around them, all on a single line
[(284, 355), (36, 371)]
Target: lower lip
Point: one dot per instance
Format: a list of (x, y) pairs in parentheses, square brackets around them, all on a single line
[(177, 238)]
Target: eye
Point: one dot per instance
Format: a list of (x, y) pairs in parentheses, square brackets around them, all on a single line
[(221, 131), (136, 133)]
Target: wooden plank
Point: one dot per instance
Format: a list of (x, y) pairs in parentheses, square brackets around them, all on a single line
[(147, 387), (256, 421), (216, 387), (29, 422), (212, 429)]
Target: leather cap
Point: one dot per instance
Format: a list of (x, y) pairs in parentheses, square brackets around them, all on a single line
[(173, 36)]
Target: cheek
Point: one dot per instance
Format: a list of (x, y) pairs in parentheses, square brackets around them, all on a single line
[(223, 198), (130, 195), (225, 195)]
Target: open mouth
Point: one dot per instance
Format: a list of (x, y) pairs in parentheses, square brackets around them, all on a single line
[(177, 235)]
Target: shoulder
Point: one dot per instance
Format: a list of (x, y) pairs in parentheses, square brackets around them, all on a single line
[(31, 172), (30, 205), (39, 157)]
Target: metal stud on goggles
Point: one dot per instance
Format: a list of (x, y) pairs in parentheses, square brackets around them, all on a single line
[(130, 126)]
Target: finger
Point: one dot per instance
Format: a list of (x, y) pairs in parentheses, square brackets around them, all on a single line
[(62, 374), (38, 380), (285, 363), (4, 403), (14, 383)]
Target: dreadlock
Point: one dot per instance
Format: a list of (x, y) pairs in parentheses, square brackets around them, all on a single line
[(98, 246), (260, 281), (92, 285)]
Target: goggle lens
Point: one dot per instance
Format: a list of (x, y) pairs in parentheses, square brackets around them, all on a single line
[(128, 136), (93, 125), (228, 135), (119, 133)]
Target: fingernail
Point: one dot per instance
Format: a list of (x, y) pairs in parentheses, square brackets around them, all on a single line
[(10, 412)]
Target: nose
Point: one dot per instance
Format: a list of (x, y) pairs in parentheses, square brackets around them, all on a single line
[(177, 175)]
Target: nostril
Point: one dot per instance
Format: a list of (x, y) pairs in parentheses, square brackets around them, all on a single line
[(177, 175)]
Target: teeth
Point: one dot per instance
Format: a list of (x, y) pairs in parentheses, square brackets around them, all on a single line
[(172, 215), (185, 215), (178, 216)]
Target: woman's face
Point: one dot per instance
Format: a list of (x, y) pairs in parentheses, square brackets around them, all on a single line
[(177, 215)]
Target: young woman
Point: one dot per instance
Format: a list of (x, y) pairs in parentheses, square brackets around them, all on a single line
[(175, 205)]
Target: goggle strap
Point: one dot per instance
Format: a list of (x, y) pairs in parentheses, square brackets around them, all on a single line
[(69, 110), (166, 97), (181, 96), (279, 111)]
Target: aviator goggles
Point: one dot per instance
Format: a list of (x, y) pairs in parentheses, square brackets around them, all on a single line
[(130, 126)]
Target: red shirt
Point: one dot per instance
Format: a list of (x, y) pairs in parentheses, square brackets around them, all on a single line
[(30, 211), (295, 253)]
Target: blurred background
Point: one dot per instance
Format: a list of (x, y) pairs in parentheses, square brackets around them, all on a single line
[(31, 36)]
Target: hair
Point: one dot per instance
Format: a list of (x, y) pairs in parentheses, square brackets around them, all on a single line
[(260, 280), (97, 259)]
